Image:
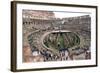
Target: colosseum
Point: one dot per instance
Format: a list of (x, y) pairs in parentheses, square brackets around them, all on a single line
[(49, 38)]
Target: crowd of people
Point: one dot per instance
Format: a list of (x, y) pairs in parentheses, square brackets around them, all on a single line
[(45, 55), (63, 55), (49, 56)]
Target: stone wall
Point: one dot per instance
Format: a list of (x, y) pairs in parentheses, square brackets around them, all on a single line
[(37, 14)]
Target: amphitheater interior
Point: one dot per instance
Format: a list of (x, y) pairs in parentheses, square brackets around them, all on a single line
[(47, 38)]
